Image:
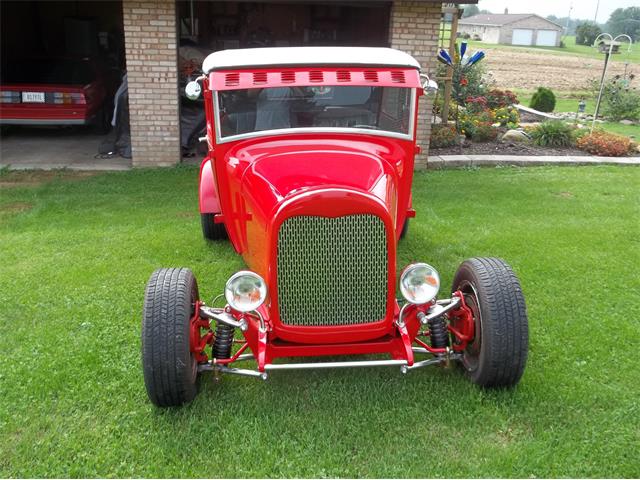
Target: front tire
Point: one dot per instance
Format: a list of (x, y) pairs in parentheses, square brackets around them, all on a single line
[(498, 354), (210, 229), (170, 369), (405, 229)]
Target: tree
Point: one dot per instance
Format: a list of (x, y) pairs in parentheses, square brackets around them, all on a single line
[(625, 20), (586, 33), (470, 10), (569, 23)]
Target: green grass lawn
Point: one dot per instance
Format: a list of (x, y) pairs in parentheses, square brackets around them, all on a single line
[(570, 48), (77, 252)]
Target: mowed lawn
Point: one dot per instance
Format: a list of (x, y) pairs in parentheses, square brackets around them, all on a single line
[(76, 253)]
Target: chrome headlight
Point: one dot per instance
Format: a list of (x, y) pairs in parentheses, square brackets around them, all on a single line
[(419, 283), (245, 291)]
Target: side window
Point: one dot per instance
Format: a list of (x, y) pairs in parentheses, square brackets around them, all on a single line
[(394, 110)]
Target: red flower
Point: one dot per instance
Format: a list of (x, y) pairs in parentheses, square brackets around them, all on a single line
[(464, 82)]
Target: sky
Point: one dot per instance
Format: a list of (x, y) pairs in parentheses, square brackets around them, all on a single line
[(582, 9)]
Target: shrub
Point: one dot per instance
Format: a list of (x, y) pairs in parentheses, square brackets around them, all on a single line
[(443, 136), (605, 144), (507, 117), (476, 104), (543, 100), (484, 132), (467, 82), (468, 122), (439, 104), (619, 100), (553, 133), (501, 98)]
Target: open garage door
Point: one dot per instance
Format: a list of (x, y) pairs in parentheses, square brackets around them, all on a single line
[(547, 38), (208, 26), (62, 65), (522, 36)]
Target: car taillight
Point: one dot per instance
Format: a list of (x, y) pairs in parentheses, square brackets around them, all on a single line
[(69, 98), (8, 96)]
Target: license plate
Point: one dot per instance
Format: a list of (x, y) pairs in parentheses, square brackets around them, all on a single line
[(32, 97)]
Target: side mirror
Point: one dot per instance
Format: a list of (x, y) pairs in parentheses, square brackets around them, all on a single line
[(193, 90), (430, 86)]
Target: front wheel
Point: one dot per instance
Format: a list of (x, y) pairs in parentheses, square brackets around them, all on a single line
[(170, 369), (497, 355), (210, 229), (405, 228)]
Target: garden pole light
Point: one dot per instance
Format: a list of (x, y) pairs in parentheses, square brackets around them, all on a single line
[(604, 71)]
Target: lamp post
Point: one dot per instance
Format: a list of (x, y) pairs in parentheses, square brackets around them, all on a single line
[(607, 54)]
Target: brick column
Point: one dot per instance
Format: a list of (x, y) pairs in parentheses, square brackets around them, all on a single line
[(414, 29), (151, 55)]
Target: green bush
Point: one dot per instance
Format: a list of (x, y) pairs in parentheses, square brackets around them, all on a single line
[(467, 82), (443, 136), (543, 100), (553, 133), (619, 100)]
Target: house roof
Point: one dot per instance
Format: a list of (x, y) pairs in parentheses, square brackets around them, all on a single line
[(500, 19), (306, 56)]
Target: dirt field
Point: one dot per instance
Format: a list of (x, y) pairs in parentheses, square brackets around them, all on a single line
[(529, 70)]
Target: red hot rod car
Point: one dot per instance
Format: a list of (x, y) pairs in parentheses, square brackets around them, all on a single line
[(309, 173)]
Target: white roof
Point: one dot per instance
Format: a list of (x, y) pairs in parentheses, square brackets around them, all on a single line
[(298, 56)]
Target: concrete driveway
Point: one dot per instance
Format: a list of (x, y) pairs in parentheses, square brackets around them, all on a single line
[(49, 148)]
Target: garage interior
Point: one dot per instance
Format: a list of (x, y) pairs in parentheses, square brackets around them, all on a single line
[(207, 26), (83, 29), (39, 39)]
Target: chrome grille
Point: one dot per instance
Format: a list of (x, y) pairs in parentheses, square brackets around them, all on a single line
[(332, 271)]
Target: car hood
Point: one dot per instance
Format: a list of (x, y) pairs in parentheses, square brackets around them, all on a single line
[(276, 173), (268, 175)]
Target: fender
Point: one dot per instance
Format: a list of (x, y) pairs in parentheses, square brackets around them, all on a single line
[(209, 200)]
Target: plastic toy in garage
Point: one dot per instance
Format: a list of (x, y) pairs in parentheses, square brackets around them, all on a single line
[(308, 176)]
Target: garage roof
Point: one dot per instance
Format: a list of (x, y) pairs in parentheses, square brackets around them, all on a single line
[(307, 56)]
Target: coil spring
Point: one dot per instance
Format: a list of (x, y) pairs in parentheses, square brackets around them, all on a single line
[(223, 341), (438, 333)]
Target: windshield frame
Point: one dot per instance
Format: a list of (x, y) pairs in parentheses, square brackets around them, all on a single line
[(410, 135)]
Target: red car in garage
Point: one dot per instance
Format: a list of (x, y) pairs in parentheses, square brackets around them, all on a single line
[(56, 91)]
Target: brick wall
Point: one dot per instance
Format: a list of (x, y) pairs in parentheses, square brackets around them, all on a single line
[(150, 43), (414, 29)]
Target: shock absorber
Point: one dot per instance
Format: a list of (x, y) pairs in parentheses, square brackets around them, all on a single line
[(438, 332), (223, 341)]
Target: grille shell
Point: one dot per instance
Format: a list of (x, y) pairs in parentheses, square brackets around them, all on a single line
[(332, 271)]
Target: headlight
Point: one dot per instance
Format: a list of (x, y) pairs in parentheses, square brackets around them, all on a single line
[(245, 291), (419, 283)]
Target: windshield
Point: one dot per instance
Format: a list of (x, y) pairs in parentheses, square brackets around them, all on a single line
[(373, 108)]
